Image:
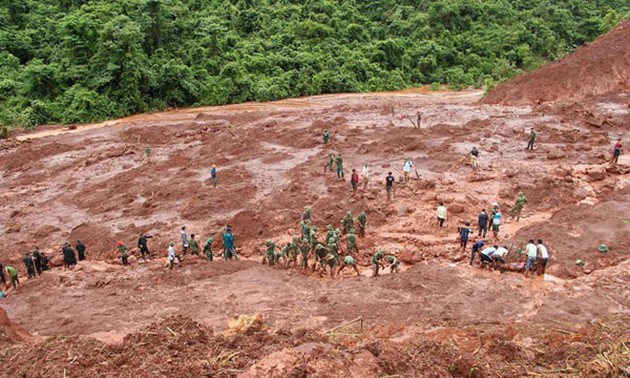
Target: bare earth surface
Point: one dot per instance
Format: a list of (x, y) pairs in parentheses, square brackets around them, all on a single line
[(438, 317)]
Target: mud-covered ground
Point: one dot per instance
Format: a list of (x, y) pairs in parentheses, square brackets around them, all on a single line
[(438, 317)]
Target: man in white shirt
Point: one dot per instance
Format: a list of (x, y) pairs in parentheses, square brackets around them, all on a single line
[(171, 255), (441, 214), (499, 257), (544, 256), (486, 255), (407, 165), (365, 176), (532, 254)]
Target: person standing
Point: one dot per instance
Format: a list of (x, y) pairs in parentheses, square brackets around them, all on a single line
[(184, 238), (362, 223), (229, 251), (532, 139), (616, 151), (194, 246), (122, 250), (13, 275), (331, 162), (407, 165), (80, 247), (496, 222), (37, 261), (213, 175), (464, 232), (532, 252), (389, 185), (365, 176), (354, 181), (339, 163), (441, 214), (516, 211), (28, 263), (44, 262), (3, 278), (325, 136), (171, 255), (544, 256), (207, 249), (143, 245), (482, 223), (147, 152)]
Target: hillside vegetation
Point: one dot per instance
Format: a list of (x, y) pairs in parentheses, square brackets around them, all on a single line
[(69, 61)]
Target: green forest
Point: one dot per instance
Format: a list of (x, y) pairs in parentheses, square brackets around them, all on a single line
[(72, 61)]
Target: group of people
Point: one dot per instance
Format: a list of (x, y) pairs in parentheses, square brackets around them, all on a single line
[(190, 244), (35, 263), (325, 250), (495, 256)]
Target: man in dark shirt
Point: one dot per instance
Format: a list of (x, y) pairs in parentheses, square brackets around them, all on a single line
[(463, 235), (80, 250), (389, 185), (476, 248), (482, 222), (143, 246), (37, 261), (28, 263)]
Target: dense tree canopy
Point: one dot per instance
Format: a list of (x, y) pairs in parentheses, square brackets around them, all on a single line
[(79, 61)]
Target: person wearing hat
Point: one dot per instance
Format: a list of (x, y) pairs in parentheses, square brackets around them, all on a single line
[(376, 262), (122, 249), (349, 261), (207, 249), (602, 248), (339, 163), (213, 175), (532, 254), (306, 216), (325, 136), (229, 251), (270, 255), (521, 200)]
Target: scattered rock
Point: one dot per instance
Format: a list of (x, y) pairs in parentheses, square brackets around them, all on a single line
[(556, 154), (596, 173)]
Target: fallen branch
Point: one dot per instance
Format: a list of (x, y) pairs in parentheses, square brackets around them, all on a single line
[(171, 331), (359, 319)]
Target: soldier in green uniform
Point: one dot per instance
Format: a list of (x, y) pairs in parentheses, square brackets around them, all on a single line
[(147, 152), (283, 254), (362, 223), (320, 256), (306, 216), (193, 245), (332, 258), (347, 222), (532, 139), (330, 233), (331, 162), (270, 255), (521, 200), (339, 163), (351, 242), (325, 136), (349, 261), (305, 229), (305, 251), (207, 249), (394, 263), (376, 261)]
